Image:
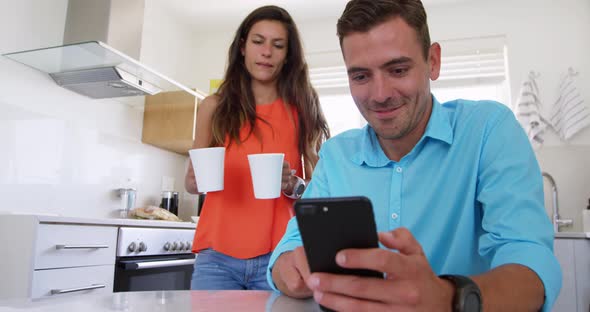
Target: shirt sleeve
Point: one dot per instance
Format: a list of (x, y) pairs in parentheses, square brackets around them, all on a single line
[(292, 238), (510, 190)]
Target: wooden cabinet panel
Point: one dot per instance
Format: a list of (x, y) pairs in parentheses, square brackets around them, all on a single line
[(169, 121)]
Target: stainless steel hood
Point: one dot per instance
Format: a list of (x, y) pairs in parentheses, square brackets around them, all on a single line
[(87, 65)]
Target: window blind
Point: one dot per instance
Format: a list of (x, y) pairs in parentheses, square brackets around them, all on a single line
[(464, 62)]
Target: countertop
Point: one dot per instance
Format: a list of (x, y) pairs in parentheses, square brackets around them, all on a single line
[(42, 218), (578, 235), (177, 301)]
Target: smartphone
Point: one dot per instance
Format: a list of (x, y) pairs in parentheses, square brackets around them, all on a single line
[(328, 225)]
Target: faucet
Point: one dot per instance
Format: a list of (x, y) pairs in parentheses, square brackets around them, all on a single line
[(557, 221)]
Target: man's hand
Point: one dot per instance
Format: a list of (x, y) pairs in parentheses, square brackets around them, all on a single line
[(290, 272), (410, 283)]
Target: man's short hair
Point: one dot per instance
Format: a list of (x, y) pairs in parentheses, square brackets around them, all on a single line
[(362, 15)]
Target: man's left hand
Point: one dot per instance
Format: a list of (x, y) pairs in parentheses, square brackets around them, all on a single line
[(409, 285)]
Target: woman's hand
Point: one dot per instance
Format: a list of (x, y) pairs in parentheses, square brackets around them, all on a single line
[(288, 181), (190, 183)]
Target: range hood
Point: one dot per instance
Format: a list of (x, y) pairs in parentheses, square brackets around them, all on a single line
[(87, 65)]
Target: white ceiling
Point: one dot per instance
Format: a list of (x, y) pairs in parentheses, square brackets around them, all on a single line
[(211, 14)]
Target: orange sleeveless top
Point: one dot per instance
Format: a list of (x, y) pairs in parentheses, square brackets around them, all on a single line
[(232, 221)]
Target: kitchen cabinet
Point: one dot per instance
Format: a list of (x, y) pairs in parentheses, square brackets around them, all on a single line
[(52, 260), (169, 121), (573, 255)]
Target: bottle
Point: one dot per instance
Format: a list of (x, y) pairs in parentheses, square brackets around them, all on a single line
[(586, 217), (166, 200), (174, 208)]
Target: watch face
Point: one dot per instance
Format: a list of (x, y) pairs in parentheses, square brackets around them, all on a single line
[(472, 302), (299, 189)]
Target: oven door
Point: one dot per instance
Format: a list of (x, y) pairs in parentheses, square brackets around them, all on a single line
[(147, 273)]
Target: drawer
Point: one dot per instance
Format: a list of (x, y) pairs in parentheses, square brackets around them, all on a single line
[(64, 245), (72, 281)]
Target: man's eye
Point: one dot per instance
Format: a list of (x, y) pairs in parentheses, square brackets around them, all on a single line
[(359, 77), (399, 71)]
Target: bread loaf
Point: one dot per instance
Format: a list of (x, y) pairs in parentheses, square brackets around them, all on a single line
[(153, 213)]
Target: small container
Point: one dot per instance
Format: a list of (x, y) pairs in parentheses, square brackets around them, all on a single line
[(586, 218), (174, 208), (127, 201), (166, 200)]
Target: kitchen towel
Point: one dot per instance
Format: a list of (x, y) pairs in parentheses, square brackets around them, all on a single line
[(569, 113), (528, 111)]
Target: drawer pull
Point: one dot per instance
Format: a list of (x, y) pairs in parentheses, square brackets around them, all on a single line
[(81, 246), (65, 291)]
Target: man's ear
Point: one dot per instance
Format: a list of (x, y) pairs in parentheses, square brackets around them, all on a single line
[(434, 60)]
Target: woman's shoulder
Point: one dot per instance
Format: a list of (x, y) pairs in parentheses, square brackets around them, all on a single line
[(210, 101)]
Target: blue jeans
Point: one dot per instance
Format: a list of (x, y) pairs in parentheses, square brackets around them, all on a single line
[(216, 271)]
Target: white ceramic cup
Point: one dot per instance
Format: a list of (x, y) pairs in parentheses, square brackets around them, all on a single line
[(266, 171), (208, 167)]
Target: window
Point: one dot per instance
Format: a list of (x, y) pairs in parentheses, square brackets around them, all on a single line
[(473, 68)]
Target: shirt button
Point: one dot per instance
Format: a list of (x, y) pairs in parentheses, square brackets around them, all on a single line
[(399, 169), (394, 216)]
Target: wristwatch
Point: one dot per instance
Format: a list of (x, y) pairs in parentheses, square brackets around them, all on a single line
[(467, 295), (298, 189)]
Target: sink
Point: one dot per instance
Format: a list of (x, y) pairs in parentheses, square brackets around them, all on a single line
[(585, 235)]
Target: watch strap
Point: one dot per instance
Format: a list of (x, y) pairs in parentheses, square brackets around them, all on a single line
[(467, 297)]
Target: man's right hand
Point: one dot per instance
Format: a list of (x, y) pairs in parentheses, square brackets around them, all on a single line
[(290, 273)]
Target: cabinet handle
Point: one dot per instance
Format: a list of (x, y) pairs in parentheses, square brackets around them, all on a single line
[(160, 264), (65, 291), (80, 246)]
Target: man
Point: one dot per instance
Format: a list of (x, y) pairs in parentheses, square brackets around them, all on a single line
[(456, 185)]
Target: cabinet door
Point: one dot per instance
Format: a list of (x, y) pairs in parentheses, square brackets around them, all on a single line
[(71, 281), (169, 121), (564, 251), (582, 259), (64, 245)]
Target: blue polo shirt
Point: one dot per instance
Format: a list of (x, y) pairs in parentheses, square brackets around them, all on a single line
[(470, 191)]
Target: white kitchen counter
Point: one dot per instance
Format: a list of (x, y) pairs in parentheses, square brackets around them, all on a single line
[(178, 301), (105, 221), (570, 235)]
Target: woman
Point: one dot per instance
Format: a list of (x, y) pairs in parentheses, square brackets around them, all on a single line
[(265, 105)]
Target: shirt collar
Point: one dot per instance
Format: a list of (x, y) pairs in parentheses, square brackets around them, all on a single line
[(438, 128)]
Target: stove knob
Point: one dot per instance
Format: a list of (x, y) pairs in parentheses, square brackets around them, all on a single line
[(132, 247), (174, 245), (142, 247), (167, 246), (180, 246), (188, 245)]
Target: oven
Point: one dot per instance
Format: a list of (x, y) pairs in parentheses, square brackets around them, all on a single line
[(153, 259)]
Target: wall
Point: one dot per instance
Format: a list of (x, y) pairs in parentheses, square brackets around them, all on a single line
[(63, 153), (542, 35), (547, 37)]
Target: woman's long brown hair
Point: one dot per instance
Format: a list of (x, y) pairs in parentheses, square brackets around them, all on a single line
[(237, 107)]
